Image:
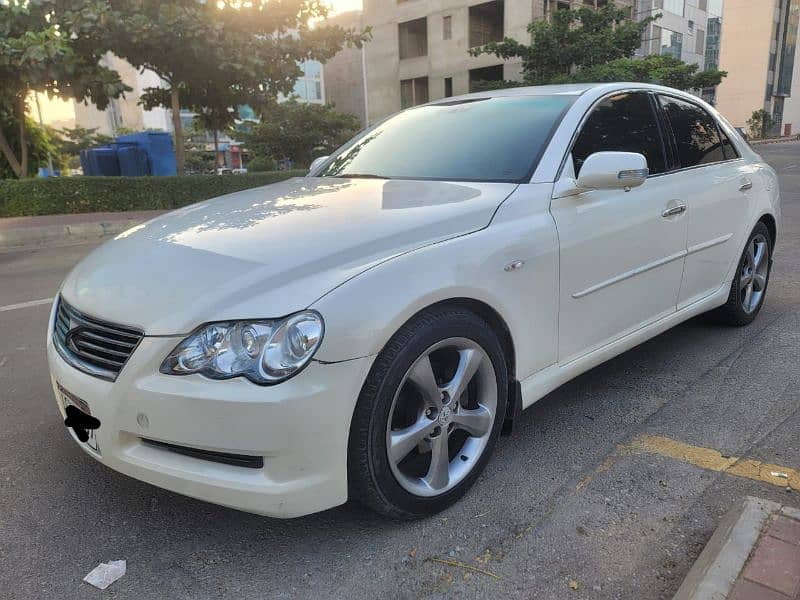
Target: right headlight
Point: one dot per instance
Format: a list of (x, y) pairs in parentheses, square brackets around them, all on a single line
[(265, 351)]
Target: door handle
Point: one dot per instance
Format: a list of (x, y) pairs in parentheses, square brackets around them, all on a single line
[(673, 210), (746, 185)]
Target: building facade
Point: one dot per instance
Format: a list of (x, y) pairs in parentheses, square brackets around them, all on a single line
[(420, 50), (682, 30), (759, 50), (344, 73)]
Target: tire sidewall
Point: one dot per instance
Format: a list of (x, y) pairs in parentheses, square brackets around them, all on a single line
[(458, 324)]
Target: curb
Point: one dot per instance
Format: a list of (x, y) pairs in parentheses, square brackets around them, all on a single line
[(715, 572), (793, 138), (24, 238)]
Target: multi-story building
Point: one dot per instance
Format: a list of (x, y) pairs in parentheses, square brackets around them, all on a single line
[(759, 51), (344, 73), (420, 50), (680, 32)]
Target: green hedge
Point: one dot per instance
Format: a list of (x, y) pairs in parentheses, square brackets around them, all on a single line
[(60, 195)]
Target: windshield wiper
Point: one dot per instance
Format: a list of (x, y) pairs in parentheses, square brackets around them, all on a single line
[(360, 176)]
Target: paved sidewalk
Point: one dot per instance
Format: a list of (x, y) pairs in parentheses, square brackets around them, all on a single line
[(17, 233), (773, 569)]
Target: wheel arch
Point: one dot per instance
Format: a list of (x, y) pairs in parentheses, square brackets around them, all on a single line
[(772, 227)]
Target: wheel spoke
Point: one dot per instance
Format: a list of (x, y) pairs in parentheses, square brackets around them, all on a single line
[(760, 281), (744, 281), (748, 296), (468, 362), (403, 441), (422, 376), (751, 257), (760, 253), (476, 421), (438, 475)]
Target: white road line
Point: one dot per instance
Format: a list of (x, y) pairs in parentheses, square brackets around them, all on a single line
[(26, 304)]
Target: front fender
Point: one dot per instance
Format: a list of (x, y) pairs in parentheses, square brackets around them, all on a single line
[(362, 314)]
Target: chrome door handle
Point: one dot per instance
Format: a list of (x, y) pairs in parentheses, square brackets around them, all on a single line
[(746, 185), (673, 210)]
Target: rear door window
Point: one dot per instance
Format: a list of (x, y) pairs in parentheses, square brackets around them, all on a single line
[(696, 134), (624, 123)]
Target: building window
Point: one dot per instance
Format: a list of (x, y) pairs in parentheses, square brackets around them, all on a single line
[(413, 36), (494, 73), (413, 92), (485, 23), (308, 88), (674, 6), (667, 42), (447, 27), (700, 42), (703, 5), (448, 87)]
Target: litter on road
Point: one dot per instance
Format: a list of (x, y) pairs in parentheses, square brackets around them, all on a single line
[(104, 574)]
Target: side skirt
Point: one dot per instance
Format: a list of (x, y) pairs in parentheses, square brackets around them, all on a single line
[(540, 384)]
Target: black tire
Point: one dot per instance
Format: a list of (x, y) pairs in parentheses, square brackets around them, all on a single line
[(733, 312), (371, 480)]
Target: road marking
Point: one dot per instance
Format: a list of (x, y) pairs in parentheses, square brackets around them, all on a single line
[(705, 458), (26, 304)]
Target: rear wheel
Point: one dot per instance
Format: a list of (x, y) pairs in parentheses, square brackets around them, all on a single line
[(429, 415), (749, 287)]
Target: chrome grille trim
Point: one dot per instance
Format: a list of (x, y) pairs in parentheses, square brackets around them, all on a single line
[(91, 345)]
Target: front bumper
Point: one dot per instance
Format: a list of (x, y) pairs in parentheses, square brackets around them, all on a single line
[(299, 427)]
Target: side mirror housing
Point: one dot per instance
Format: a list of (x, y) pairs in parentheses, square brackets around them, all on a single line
[(613, 171), (316, 163)]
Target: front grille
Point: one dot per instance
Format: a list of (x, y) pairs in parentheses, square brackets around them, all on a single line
[(91, 345)]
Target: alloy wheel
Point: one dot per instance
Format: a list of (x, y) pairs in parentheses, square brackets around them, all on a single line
[(754, 273), (441, 417)]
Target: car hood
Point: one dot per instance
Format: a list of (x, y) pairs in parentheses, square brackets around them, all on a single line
[(269, 251)]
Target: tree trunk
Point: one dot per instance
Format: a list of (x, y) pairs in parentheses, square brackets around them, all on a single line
[(180, 158), (23, 143), (8, 152), (216, 150)]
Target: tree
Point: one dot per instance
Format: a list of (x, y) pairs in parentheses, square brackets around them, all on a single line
[(71, 141), (299, 132), (585, 44), (38, 144), (216, 56), (54, 47), (760, 123), (661, 69)]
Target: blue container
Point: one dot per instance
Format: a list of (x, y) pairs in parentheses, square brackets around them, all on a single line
[(132, 161), (105, 158), (85, 162), (158, 148)]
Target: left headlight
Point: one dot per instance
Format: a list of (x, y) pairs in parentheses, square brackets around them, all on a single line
[(266, 352)]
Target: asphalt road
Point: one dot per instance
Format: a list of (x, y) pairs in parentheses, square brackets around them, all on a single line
[(562, 505)]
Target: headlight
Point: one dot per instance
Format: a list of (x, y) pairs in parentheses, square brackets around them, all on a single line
[(266, 352)]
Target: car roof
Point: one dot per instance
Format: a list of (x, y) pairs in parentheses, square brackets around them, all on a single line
[(570, 89)]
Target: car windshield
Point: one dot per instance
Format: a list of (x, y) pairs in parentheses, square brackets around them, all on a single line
[(498, 139)]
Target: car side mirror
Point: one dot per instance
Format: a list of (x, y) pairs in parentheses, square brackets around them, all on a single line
[(612, 171), (316, 163)]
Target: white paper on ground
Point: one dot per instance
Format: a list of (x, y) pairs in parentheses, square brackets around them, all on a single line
[(104, 574)]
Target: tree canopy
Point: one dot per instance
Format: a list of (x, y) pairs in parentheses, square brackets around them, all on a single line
[(52, 47), (587, 45), (216, 56), (299, 132)]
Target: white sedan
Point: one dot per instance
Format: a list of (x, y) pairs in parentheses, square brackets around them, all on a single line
[(367, 331)]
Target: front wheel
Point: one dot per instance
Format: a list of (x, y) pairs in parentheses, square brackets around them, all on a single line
[(749, 287), (429, 414)]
